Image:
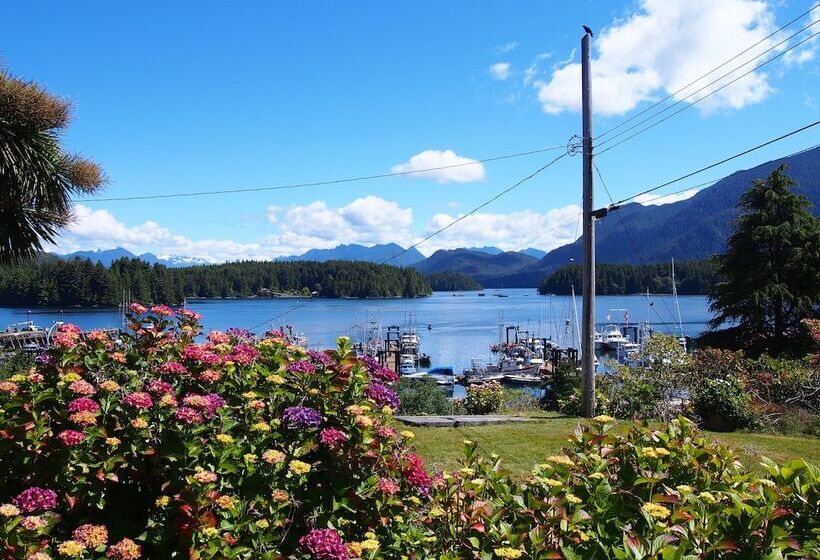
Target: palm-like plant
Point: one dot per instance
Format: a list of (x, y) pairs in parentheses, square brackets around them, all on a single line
[(37, 178)]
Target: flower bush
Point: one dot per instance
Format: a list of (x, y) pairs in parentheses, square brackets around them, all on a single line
[(646, 494), (169, 444), (483, 398)]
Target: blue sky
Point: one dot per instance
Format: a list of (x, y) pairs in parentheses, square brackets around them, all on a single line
[(210, 95)]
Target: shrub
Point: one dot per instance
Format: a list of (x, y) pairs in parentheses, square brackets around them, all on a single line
[(422, 396), (722, 404), (233, 447), (572, 404), (644, 494), (518, 400), (564, 381), (484, 398)]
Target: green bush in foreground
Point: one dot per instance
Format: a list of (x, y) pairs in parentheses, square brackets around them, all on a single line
[(422, 396), (648, 494), (484, 398)]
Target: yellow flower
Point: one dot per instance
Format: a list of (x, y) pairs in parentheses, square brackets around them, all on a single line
[(167, 400), (314, 391), (551, 482), (249, 457), (249, 395), (18, 378), (603, 419), (415, 500), (261, 427), (355, 548), (275, 379), (279, 496), (478, 481), (263, 524), (508, 552), (9, 510), (224, 438), (597, 476), (684, 489), (466, 471), (370, 544), (210, 531), (139, 423), (110, 386), (662, 451), (407, 434), (656, 511), (112, 441), (387, 411), (561, 460), (573, 499), (225, 502), (436, 511), (72, 549), (298, 467), (70, 378), (273, 457), (707, 497), (364, 421), (162, 501)]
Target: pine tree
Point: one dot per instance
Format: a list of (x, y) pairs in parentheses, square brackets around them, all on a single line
[(770, 274)]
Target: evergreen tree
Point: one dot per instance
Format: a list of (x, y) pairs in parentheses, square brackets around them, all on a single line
[(770, 274)]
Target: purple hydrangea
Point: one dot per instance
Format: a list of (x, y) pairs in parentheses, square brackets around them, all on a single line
[(383, 396), (301, 366), (44, 359), (301, 417), (320, 357)]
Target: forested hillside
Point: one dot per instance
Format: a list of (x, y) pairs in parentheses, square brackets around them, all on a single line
[(692, 277), (55, 282), (452, 282)]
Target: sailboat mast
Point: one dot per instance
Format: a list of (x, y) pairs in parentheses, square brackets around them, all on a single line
[(675, 297)]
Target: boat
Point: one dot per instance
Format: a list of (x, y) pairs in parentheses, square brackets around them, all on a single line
[(442, 375), (609, 338), (407, 364)]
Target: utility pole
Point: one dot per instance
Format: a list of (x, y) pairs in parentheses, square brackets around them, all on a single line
[(588, 321)]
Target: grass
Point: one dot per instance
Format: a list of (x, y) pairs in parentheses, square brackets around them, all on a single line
[(522, 445)]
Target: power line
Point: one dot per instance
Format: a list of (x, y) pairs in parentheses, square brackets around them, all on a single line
[(721, 162), (321, 183), (433, 234), (713, 70), (692, 104)]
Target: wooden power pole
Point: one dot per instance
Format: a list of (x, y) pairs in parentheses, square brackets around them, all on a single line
[(588, 315)]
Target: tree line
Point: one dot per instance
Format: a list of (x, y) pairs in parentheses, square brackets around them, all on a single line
[(694, 277), (452, 282), (50, 281)]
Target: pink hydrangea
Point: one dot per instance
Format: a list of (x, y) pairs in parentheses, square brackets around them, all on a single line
[(8, 387), (387, 486), (90, 535), (137, 308), (36, 499), (189, 315), (140, 401), (96, 336), (159, 387), (324, 544), (207, 404), (414, 472), (126, 549), (188, 415), (173, 368), (331, 437), (242, 354), (201, 353), (69, 328), (71, 437), (209, 376), (218, 337), (82, 387), (162, 311), (64, 340), (83, 404)]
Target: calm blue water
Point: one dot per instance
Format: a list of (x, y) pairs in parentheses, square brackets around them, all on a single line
[(463, 325)]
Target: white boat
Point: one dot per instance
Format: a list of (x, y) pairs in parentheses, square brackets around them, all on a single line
[(442, 375), (609, 338)]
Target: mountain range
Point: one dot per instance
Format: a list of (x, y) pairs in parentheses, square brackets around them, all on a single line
[(107, 256), (694, 228)]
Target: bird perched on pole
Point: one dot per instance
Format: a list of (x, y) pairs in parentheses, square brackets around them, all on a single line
[(588, 30)]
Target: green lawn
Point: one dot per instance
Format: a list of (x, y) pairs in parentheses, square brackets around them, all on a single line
[(522, 445)]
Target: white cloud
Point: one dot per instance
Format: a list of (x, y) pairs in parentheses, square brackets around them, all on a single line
[(506, 47), (99, 229), (433, 159), (510, 232), (661, 48), (500, 70), (808, 50), (659, 200)]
